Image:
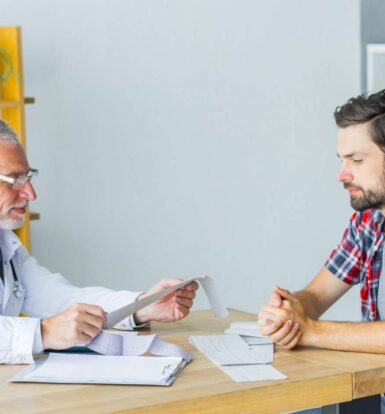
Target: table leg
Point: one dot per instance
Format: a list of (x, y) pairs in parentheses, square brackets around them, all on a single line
[(370, 405)]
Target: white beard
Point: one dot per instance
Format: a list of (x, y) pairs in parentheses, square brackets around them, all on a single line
[(11, 224)]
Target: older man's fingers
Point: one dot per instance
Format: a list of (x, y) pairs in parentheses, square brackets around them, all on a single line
[(184, 302), (192, 286), (188, 294)]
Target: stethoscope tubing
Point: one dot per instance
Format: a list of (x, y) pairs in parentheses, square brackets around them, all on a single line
[(18, 288)]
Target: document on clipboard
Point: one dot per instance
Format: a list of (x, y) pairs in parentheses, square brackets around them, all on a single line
[(102, 369)]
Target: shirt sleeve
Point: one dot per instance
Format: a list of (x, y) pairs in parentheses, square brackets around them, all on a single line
[(17, 337), (48, 294), (345, 261)]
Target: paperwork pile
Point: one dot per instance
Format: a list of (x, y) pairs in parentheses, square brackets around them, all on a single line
[(103, 369), (120, 361), (243, 354)]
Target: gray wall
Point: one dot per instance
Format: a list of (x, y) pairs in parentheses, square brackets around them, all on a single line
[(188, 137), (372, 29)]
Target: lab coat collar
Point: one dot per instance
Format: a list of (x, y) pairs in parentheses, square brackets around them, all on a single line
[(9, 243)]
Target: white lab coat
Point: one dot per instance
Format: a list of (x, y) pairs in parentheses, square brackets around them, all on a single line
[(44, 294)]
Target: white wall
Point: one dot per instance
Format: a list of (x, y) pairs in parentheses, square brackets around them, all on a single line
[(188, 137)]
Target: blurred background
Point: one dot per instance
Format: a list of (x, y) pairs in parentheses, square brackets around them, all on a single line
[(181, 138)]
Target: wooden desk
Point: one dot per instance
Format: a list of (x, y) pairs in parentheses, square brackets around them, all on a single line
[(367, 370), (201, 388)]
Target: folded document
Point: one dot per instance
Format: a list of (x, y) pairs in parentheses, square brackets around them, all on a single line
[(242, 358), (108, 343), (231, 350)]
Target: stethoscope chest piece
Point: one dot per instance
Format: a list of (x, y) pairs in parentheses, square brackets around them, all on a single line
[(17, 289)]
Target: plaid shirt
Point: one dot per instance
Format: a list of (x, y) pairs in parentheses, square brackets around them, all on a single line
[(358, 258)]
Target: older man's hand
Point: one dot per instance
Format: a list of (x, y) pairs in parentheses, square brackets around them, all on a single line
[(172, 307), (78, 324)]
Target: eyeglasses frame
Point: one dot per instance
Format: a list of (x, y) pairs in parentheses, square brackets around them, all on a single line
[(22, 180)]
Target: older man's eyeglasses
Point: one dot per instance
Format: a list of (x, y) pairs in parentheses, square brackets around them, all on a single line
[(18, 183)]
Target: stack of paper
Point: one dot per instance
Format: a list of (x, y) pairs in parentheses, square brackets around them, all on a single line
[(103, 369), (246, 328), (231, 350), (243, 358), (249, 332), (121, 363)]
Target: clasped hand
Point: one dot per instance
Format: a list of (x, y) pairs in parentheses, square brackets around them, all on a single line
[(283, 319)]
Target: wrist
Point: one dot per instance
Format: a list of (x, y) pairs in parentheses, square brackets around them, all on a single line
[(141, 317), (310, 334)]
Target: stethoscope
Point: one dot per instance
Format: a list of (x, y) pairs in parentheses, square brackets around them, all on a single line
[(18, 289)]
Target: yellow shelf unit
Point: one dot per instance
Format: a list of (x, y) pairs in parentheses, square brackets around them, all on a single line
[(12, 98)]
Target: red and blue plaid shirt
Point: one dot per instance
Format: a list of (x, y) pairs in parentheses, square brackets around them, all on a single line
[(358, 258)]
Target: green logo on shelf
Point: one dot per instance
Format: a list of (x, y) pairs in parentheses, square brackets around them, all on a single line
[(6, 66)]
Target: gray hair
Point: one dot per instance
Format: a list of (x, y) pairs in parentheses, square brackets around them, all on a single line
[(7, 133)]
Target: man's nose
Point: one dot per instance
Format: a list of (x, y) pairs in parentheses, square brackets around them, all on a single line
[(28, 192), (344, 176)]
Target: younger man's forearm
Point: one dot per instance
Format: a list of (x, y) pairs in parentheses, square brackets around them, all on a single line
[(346, 336)]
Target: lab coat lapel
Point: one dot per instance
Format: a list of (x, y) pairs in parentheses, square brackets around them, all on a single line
[(9, 243)]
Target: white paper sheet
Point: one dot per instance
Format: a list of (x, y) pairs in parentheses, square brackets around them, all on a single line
[(122, 332), (244, 373), (239, 360), (76, 368), (254, 340), (206, 281), (231, 350), (245, 328)]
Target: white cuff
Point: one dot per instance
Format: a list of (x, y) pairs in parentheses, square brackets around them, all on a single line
[(19, 341), (37, 340), (129, 324)]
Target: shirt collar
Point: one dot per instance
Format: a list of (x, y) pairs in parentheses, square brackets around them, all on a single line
[(9, 243), (378, 217)]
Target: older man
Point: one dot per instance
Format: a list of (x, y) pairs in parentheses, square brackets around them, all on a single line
[(60, 314)]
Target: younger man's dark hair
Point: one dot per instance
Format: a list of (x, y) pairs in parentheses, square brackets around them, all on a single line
[(365, 109)]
